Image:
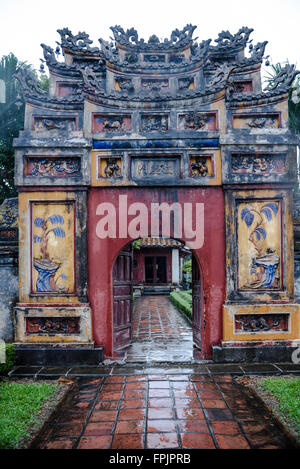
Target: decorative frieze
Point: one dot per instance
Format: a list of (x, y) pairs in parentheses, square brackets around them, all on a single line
[(65, 89), (109, 168), (256, 121), (154, 84), (201, 166), (242, 86), (154, 58), (261, 323), (54, 123), (176, 58), (111, 123), (52, 325), (161, 168), (198, 121), (186, 83), (154, 122), (122, 83), (50, 166), (258, 164)]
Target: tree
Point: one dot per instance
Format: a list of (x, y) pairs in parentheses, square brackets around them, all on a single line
[(11, 122), (294, 95)]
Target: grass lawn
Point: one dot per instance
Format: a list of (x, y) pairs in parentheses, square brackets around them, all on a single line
[(183, 301), (20, 404), (287, 392)]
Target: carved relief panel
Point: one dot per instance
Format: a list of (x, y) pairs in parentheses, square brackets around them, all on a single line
[(198, 121), (259, 245), (111, 123), (201, 166), (258, 164), (50, 166), (154, 122), (256, 121), (54, 123), (259, 248), (52, 248), (109, 167)]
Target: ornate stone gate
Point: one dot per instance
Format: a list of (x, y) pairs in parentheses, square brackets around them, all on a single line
[(177, 122)]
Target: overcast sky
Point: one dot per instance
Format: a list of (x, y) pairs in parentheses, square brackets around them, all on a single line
[(26, 24)]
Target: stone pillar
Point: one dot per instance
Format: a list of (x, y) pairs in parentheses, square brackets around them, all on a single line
[(175, 266), (180, 269)]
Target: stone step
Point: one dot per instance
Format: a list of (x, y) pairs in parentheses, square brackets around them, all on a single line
[(59, 356)]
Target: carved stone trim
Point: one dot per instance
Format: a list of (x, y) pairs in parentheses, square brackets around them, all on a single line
[(261, 323), (154, 122), (111, 123), (109, 167), (52, 325), (258, 164), (52, 166)]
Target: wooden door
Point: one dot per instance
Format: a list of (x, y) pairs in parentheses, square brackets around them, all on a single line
[(122, 300), (197, 303)]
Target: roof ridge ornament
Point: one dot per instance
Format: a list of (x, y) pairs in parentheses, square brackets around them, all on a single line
[(78, 43), (227, 41), (178, 39)]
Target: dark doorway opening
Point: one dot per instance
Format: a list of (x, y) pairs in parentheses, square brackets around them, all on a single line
[(156, 269)]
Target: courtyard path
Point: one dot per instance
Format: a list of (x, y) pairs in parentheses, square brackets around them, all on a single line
[(159, 332), (184, 410)]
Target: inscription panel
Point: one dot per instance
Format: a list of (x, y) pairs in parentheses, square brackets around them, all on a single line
[(155, 168)]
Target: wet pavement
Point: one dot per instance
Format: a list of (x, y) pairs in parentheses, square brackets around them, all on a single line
[(159, 397), (180, 410), (159, 332)]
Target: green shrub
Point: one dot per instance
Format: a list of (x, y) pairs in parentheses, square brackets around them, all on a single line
[(11, 358), (181, 300)]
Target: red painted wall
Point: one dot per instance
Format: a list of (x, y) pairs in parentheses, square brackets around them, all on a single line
[(210, 257)]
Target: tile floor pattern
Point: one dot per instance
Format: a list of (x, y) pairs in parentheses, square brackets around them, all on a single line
[(163, 411), (159, 332)]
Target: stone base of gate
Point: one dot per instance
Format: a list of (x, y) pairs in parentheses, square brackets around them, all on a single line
[(59, 324), (58, 355)]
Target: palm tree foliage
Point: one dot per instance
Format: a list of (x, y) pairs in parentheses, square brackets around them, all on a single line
[(11, 120), (294, 96)]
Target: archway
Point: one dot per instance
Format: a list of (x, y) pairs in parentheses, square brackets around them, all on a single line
[(104, 251), (146, 325)]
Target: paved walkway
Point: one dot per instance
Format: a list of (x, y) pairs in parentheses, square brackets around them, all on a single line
[(163, 411), (149, 403), (159, 332)]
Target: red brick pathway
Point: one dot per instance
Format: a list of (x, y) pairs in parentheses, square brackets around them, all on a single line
[(163, 411), (156, 317), (159, 332)]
